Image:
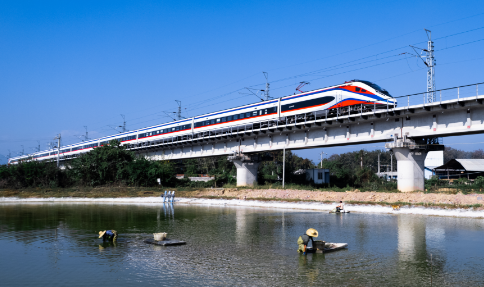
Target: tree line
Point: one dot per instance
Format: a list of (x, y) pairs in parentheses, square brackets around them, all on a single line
[(113, 164)]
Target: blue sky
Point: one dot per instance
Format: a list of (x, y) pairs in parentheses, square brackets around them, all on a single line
[(70, 64)]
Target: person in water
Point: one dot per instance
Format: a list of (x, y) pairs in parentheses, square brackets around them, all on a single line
[(109, 235), (303, 240), (340, 207)]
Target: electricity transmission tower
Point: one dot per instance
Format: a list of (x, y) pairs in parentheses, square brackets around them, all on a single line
[(86, 137), (178, 114), (123, 126), (429, 61), (58, 138), (37, 148), (266, 91)]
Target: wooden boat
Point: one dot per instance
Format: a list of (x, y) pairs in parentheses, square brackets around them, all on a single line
[(166, 242), (328, 247)]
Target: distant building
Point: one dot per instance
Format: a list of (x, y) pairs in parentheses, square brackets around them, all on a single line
[(318, 175), (388, 175), (200, 177), (433, 160), (458, 168)]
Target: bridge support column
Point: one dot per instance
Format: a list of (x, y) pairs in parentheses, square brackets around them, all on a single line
[(246, 169), (410, 163)]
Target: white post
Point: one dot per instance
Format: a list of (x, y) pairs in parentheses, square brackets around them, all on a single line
[(391, 166), (379, 164), (283, 166)]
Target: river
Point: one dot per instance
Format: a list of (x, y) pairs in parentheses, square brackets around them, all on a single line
[(56, 244)]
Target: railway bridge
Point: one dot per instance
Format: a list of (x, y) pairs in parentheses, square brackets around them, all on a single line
[(407, 130)]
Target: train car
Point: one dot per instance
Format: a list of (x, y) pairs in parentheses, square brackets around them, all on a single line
[(168, 130), (352, 96), (357, 94)]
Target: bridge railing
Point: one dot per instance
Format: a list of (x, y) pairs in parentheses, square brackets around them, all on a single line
[(440, 96)]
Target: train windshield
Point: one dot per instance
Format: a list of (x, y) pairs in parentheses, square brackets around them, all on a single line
[(374, 86)]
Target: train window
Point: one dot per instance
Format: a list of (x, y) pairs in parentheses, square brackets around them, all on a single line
[(235, 117), (363, 90), (223, 119), (218, 120), (241, 116), (254, 113), (357, 89), (247, 115), (212, 121)]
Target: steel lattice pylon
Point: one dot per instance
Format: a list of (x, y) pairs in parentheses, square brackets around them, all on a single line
[(430, 62)]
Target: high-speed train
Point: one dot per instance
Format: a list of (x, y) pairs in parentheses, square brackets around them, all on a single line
[(355, 95)]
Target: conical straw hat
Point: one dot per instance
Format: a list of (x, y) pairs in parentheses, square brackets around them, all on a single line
[(312, 232), (101, 233)]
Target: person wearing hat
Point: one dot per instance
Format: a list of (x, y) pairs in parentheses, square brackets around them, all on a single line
[(110, 235), (340, 207), (303, 240)]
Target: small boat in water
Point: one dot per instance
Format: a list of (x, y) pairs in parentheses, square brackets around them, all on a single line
[(328, 247)]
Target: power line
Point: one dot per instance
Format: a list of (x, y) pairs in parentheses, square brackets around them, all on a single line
[(328, 68), (336, 66)]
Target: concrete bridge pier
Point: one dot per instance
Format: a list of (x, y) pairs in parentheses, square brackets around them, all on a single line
[(246, 169), (410, 163)]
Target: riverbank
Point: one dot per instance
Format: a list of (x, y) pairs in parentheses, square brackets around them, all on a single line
[(459, 205)]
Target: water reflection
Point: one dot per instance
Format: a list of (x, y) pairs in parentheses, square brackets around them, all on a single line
[(241, 225), (411, 238), (232, 246), (107, 244), (169, 209)]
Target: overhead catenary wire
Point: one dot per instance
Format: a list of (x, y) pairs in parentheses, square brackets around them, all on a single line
[(335, 66), (320, 70)]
